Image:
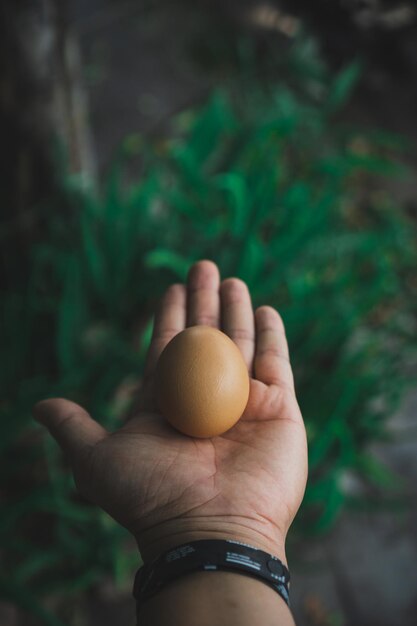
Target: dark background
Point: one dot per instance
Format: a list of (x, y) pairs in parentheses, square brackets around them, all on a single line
[(92, 72)]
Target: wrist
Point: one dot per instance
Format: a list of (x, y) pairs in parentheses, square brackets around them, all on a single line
[(154, 541), (223, 598)]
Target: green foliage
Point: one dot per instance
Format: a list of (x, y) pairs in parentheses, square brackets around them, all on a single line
[(266, 183)]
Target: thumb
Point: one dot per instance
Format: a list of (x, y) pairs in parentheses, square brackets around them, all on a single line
[(72, 427)]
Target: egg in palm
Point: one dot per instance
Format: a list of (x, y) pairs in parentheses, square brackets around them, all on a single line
[(202, 382)]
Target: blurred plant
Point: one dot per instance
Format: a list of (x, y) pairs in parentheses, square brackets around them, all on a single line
[(265, 182)]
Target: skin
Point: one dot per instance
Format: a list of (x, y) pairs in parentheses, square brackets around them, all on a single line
[(167, 488)]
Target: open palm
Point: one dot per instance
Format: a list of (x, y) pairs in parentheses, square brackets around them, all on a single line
[(166, 487)]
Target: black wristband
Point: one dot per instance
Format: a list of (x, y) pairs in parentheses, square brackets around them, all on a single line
[(211, 555)]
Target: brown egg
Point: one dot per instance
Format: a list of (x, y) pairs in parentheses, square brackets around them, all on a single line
[(202, 382)]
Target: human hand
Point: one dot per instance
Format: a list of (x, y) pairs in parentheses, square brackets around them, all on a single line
[(168, 488)]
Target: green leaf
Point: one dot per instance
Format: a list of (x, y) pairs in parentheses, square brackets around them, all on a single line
[(209, 128), (166, 259), (332, 504), (378, 473), (235, 185), (71, 316), (146, 338), (343, 86), (92, 252)]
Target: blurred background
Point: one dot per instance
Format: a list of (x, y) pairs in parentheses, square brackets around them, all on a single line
[(277, 138)]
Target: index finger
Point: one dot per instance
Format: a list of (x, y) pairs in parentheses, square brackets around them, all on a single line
[(170, 319)]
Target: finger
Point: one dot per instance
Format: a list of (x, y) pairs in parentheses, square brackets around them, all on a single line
[(71, 426), (169, 321), (237, 317), (203, 299), (272, 364)]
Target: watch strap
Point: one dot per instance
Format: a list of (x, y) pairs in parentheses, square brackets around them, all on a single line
[(211, 555)]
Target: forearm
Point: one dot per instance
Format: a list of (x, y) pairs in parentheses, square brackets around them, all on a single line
[(215, 599)]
